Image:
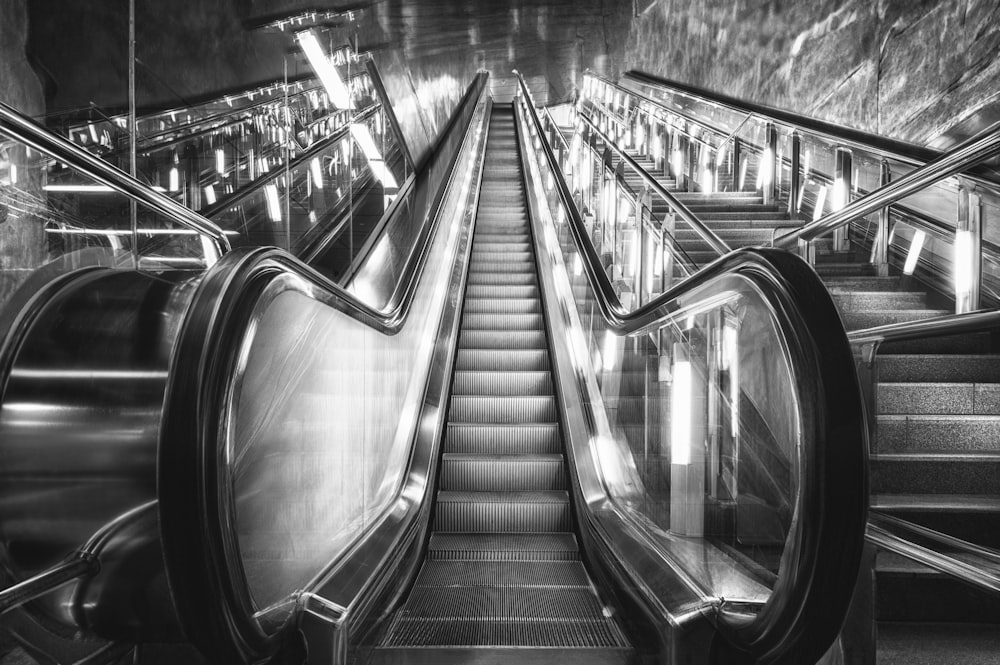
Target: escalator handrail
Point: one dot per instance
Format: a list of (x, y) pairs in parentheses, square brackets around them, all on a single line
[(212, 600), (833, 497), (980, 568), (22, 129), (937, 326), (965, 156), (717, 244)]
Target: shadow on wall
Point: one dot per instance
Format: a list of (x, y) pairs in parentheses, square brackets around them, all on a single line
[(922, 72)]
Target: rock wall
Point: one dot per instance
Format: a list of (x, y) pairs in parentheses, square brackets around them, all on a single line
[(922, 71), (22, 238)]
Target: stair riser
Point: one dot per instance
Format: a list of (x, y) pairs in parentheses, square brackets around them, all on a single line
[(516, 517), (934, 476), (502, 410), (939, 398), (493, 475), (937, 434), (501, 440)]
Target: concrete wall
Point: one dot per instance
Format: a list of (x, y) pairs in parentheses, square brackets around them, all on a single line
[(186, 48), (22, 240), (920, 71)]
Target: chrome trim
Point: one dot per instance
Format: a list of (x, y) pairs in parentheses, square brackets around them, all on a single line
[(20, 128), (965, 156), (949, 324), (717, 244), (978, 567)]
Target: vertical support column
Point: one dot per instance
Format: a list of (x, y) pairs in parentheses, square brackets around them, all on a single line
[(842, 186), (192, 177), (795, 181), (693, 148), (667, 257), (737, 164), (968, 250), (880, 251), (767, 164)]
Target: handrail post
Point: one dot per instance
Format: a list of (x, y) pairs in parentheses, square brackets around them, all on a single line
[(795, 181), (967, 259), (692, 164), (880, 252), (842, 186), (736, 164), (768, 162)]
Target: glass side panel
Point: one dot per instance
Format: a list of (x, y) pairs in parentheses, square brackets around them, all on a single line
[(56, 214), (329, 404)]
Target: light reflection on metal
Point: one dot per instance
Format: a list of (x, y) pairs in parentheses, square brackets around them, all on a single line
[(916, 244), (324, 69)]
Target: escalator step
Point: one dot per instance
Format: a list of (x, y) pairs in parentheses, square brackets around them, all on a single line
[(504, 546), (532, 360), (520, 409), (480, 632), (491, 339), (503, 439), (502, 278), (502, 473), (489, 604), (497, 291), (503, 573), (499, 264), (503, 321), (503, 511)]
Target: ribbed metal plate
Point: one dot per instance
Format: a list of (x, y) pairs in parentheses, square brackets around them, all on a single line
[(500, 383), (512, 339), (528, 633), (503, 439), (498, 291), (503, 321), (503, 511), (502, 265), (503, 473), (522, 409), (502, 278), (495, 360), (504, 604), (504, 546), (504, 573)]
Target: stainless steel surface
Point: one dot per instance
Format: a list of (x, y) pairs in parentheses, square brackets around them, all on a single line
[(18, 127), (72, 568), (84, 375), (958, 160), (969, 565), (709, 236), (952, 324)]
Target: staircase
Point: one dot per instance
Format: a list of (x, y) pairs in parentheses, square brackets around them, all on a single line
[(503, 579), (936, 450)]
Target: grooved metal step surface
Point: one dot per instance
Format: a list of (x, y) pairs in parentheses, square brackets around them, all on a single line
[(503, 568)]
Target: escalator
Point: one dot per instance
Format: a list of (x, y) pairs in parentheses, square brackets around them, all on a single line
[(503, 573), (439, 464)]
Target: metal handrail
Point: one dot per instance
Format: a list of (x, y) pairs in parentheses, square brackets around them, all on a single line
[(950, 324), (970, 153), (252, 188), (983, 569), (23, 129), (717, 244)]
